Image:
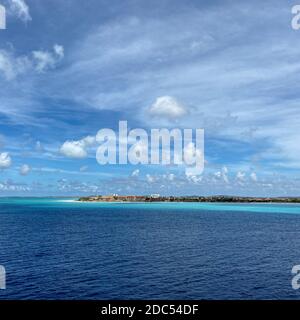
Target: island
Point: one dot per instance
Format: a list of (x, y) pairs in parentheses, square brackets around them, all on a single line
[(158, 198)]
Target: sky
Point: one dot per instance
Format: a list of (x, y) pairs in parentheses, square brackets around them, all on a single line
[(70, 68)]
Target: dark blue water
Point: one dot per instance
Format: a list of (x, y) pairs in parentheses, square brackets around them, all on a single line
[(57, 250)]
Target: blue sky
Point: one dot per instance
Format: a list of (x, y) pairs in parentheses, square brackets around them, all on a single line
[(70, 68)]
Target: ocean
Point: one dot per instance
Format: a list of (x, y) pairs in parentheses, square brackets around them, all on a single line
[(61, 249)]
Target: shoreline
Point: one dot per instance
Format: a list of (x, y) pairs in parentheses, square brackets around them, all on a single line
[(188, 199)]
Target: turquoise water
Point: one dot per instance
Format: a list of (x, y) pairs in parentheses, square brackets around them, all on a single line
[(61, 249), (71, 202)]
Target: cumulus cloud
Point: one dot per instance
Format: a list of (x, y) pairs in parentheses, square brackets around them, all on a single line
[(194, 178), (171, 177), (45, 60), (135, 173), (25, 169), (88, 141), (217, 174), (59, 50), (77, 149), (10, 185), (12, 66), (83, 168), (240, 176), (253, 176), (150, 178), (73, 149), (76, 186), (168, 107), (222, 175), (5, 160), (20, 9)]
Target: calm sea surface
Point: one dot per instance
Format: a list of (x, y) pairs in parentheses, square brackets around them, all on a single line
[(53, 249)]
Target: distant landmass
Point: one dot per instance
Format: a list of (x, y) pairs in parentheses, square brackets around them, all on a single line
[(158, 198)]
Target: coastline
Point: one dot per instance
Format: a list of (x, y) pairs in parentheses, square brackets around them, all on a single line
[(186, 199)]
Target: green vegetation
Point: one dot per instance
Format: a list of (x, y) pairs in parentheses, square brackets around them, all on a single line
[(157, 198)]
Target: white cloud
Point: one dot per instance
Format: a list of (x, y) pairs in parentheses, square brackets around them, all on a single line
[(222, 175), (20, 9), (168, 107), (171, 177), (12, 186), (5, 65), (77, 149), (83, 168), (74, 149), (150, 178), (5, 160), (11, 66), (225, 174), (77, 186), (59, 50), (45, 60), (135, 173), (88, 141), (225, 170), (25, 169), (253, 176), (218, 175), (194, 178), (240, 176)]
